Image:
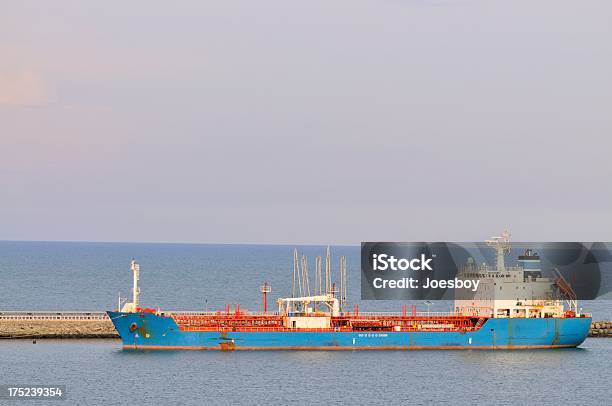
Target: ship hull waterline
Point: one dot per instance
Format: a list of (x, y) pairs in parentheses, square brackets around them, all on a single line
[(147, 331)]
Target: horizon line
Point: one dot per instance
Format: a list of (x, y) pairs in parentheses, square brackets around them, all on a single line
[(185, 243)]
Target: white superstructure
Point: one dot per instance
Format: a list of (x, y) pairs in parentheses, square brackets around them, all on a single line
[(509, 291)]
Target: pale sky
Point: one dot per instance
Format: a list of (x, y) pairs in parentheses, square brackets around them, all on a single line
[(305, 122)]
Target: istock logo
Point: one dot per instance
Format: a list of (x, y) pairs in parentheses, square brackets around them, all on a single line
[(383, 262)]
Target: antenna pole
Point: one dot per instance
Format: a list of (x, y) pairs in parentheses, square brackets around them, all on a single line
[(327, 271), (295, 270), (343, 290), (306, 283), (300, 273), (318, 272), (341, 284)]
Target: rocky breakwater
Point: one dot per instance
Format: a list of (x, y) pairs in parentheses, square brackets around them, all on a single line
[(601, 329)]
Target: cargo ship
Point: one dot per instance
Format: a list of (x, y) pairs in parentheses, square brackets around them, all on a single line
[(320, 321)]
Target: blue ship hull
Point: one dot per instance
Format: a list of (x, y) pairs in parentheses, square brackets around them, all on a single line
[(142, 331)]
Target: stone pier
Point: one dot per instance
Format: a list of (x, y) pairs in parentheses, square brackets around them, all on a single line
[(56, 325)]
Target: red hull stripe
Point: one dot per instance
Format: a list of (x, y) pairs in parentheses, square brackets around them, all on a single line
[(345, 348)]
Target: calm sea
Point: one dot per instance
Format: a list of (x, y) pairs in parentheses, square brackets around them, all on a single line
[(88, 276)]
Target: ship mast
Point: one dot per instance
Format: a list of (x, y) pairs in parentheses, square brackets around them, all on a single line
[(265, 289), (501, 244), (295, 271), (135, 290), (327, 271)]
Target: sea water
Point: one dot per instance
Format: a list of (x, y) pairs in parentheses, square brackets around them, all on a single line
[(88, 276)]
